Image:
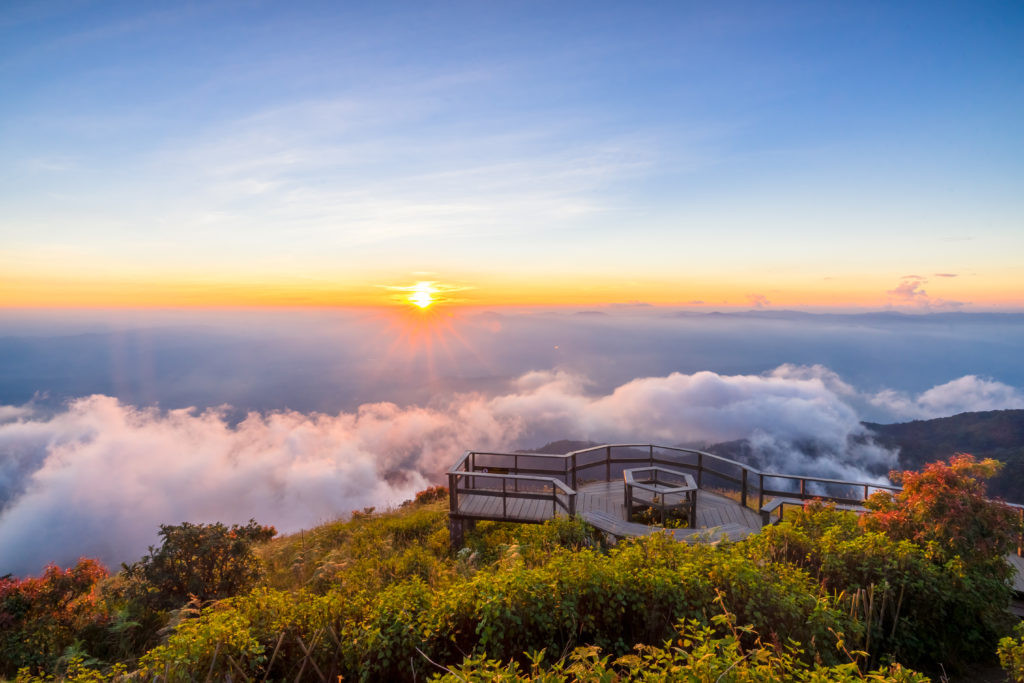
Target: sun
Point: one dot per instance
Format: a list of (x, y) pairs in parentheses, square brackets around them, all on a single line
[(422, 294)]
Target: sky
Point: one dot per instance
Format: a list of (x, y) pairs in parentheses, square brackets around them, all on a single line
[(287, 260), (789, 155)]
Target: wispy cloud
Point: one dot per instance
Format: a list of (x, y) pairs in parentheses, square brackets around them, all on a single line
[(758, 300), (910, 293), (336, 172)]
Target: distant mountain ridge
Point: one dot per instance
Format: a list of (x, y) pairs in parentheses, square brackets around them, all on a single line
[(995, 434), (883, 316)]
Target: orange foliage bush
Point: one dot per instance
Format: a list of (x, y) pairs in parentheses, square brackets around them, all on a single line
[(40, 617), (944, 508), (431, 494)]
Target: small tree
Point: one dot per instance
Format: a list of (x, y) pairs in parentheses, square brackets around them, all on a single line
[(944, 508), (208, 561)]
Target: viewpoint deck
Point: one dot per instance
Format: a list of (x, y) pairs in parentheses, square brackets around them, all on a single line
[(535, 487)]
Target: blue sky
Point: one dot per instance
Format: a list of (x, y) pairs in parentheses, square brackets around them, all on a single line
[(813, 154)]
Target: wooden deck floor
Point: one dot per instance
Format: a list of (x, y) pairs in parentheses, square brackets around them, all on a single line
[(515, 509), (713, 510)]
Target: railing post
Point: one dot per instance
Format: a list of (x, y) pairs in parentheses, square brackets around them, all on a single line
[(743, 493), (504, 498), (515, 470), (572, 504), (700, 468), (574, 471), (760, 490), (607, 463), (865, 491), (650, 455), (803, 488)]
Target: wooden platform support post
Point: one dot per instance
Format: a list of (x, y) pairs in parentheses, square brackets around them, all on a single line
[(693, 509), (743, 491), (453, 491), (457, 532)]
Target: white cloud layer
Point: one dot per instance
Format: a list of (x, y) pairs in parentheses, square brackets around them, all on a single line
[(99, 477)]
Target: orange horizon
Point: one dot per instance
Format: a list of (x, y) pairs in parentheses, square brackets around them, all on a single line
[(559, 291)]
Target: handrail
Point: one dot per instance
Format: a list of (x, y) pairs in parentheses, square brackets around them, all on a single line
[(749, 468), (532, 477)]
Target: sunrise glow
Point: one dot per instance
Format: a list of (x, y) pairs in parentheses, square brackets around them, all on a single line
[(422, 294)]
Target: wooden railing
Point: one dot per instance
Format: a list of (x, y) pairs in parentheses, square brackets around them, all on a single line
[(506, 486)]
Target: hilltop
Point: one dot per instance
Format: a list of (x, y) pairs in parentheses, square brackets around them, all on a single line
[(382, 596)]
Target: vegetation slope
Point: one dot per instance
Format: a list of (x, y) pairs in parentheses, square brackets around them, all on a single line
[(920, 581)]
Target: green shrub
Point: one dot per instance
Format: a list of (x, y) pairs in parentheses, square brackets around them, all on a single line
[(909, 604), (205, 561), (636, 593), (1011, 654), (696, 653)]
